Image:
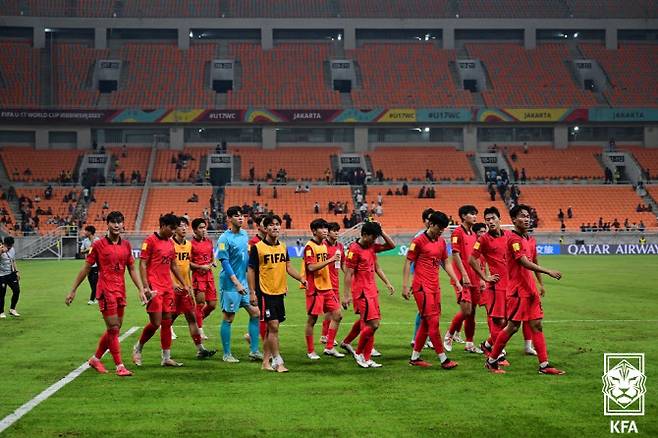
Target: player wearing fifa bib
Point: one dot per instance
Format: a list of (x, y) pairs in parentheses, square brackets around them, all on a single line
[(232, 252)]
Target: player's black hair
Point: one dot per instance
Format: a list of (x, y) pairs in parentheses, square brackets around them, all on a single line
[(259, 219), (319, 223), (334, 226), (269, 219), (183, 220), (479, 226), (517, 209), (439, 218), (9, 241), (234, 210), (90, 229), (427, 213), (467, 209), (491, 210), (198, 221), (115, 217), (371, 229), (169, 220)]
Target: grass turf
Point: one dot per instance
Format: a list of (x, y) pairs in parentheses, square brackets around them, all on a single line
[(332, 396)]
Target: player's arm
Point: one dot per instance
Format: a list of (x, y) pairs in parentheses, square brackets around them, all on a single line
[(526, 263), (84, 271), (196, 267), (347, 284), (388, 242), (251, 274), (145, 279), (173, 267), (226, 267), (382, 275), (450, 270), (457, 260), (540, 281), (319, 265), (406, 271), (294, 274), (134, 276), (477, 267)]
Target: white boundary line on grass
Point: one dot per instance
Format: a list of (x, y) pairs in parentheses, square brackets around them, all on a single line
[(52, 389)]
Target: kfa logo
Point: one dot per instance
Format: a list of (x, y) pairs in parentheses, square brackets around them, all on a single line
[(624, 387)]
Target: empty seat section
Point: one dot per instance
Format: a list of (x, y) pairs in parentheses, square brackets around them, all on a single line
[(278, 8), (161, 75), (136, 159), (290, 75), (529, 78), (19, 69), (55, 203), (589, 204), (298, 205), (393, 8), (43, 165), (647, 157), (307, 164), (408, 163), (512, 9), (165, 164), (632, 70), (548, 163), (123, 199), (170, 8), (163, 200), (73, 68), (653, 192), (613, 8), (406, 75)]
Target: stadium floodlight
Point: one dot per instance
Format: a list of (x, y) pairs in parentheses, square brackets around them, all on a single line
[(191, 34), (575, 35), (576, 128), (340, 36), (426, 129), (47, 30)]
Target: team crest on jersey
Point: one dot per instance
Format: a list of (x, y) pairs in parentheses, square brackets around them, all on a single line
[(222, 246), (516, 246), (144, 246), (350, 254), (309, 253), (455, 239), (477, 245), (412, 246)]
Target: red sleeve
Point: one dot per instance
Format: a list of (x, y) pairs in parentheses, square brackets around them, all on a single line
[(352, 259), (517, 247), (92, 257), (479, 247), (147, 249), (378, 247), (444, 253), (457, 241), (309, 255), (131, 260), (414, 249)]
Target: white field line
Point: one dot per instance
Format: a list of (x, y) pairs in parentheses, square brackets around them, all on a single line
[(52, 389)]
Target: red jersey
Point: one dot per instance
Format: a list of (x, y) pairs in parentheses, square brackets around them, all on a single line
[(254, 240), (427, 256), (112, 259), (493, 249), (363, 260), (202, 254), (521, 280), (462, 242), (333, 270), (158, 253)]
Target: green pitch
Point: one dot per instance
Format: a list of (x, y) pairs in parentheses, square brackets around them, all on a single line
[(585, 315)]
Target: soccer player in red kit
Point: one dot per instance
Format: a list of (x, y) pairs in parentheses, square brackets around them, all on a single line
[(201, 262), (463, 238), (157, 263), (523, 299), (360, 281), (113, 255), (428, 251), (333, 247)]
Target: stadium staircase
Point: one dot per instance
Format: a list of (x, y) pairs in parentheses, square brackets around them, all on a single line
[(5, 182), (49, 245), (237, 168), (46, 77), (147, 185), (472, 159)]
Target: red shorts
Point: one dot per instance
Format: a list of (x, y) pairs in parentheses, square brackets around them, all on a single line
[(494, 298), (321, 302), (429, 303), (207, 287), (524, 308), (184, 303), (469, 294), (367, 307), (111, 304), (162, 302)]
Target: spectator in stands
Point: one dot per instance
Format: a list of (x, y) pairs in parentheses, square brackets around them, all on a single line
[(389, 192), (615, 176), (102, 151), (316, 207), (274, 194), (106, 205), (523, 176), (346, 222), (268, 175), (627, 225), (421, 193), (379, 210), (639, 208), (492, 192), (570, 212), (193, 198), (563, 227), (648, 173), (359, 197), (608, 176), (327, 175), (641, 226), (288, 220), (27, 172), (525, 147), (560, 215), (252, 173), (612, 144), (513, 157), (582, 227), (380, 198), (124, 151), (48, 193), (405, 189)]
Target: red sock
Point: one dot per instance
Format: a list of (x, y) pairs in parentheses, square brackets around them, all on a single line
[(331, 337), (310, 344), (539, 342), (102, 345), (207, 310), (501, 341), (435, 333), (196, 339), (325, 326), (527, 332), (199, 314), (367, 351), (456, 324), (494, 330), (115, 347), (147, 333), (421, 336), (469, 327), (165, 334), (366, 333), (354, 332), (262, 329)]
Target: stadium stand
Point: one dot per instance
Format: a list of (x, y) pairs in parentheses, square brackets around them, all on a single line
[(613, 8), (291, 75), (73, 66), (529, 78), (162, 200), (632, 70), (7, 218), (55, 204), (512, 9), (554, 164), (31, 165), (59, 8), (166, 164), (161, 75), (300, 206), (646, 157), (279, 8), (421, 76), (300, 163), (124, 199), (395, 8), (653, 192), (19, 70), (589, 204), (136, 159), (444, 162)]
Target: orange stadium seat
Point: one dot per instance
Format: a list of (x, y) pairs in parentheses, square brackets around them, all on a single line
[(58, 207), (419, 77), (137, 159), (39, 162), (298, 205), (165, 170), (301, 163), (123, 199), (10, 219), (512, 9), (647, 157), (397, 8), (409, 163), (588, 202), (72, 71), (529, 78), (278, 8), (613, 8), (19, 68), (548, 163), (163, 200), (653, 192)]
